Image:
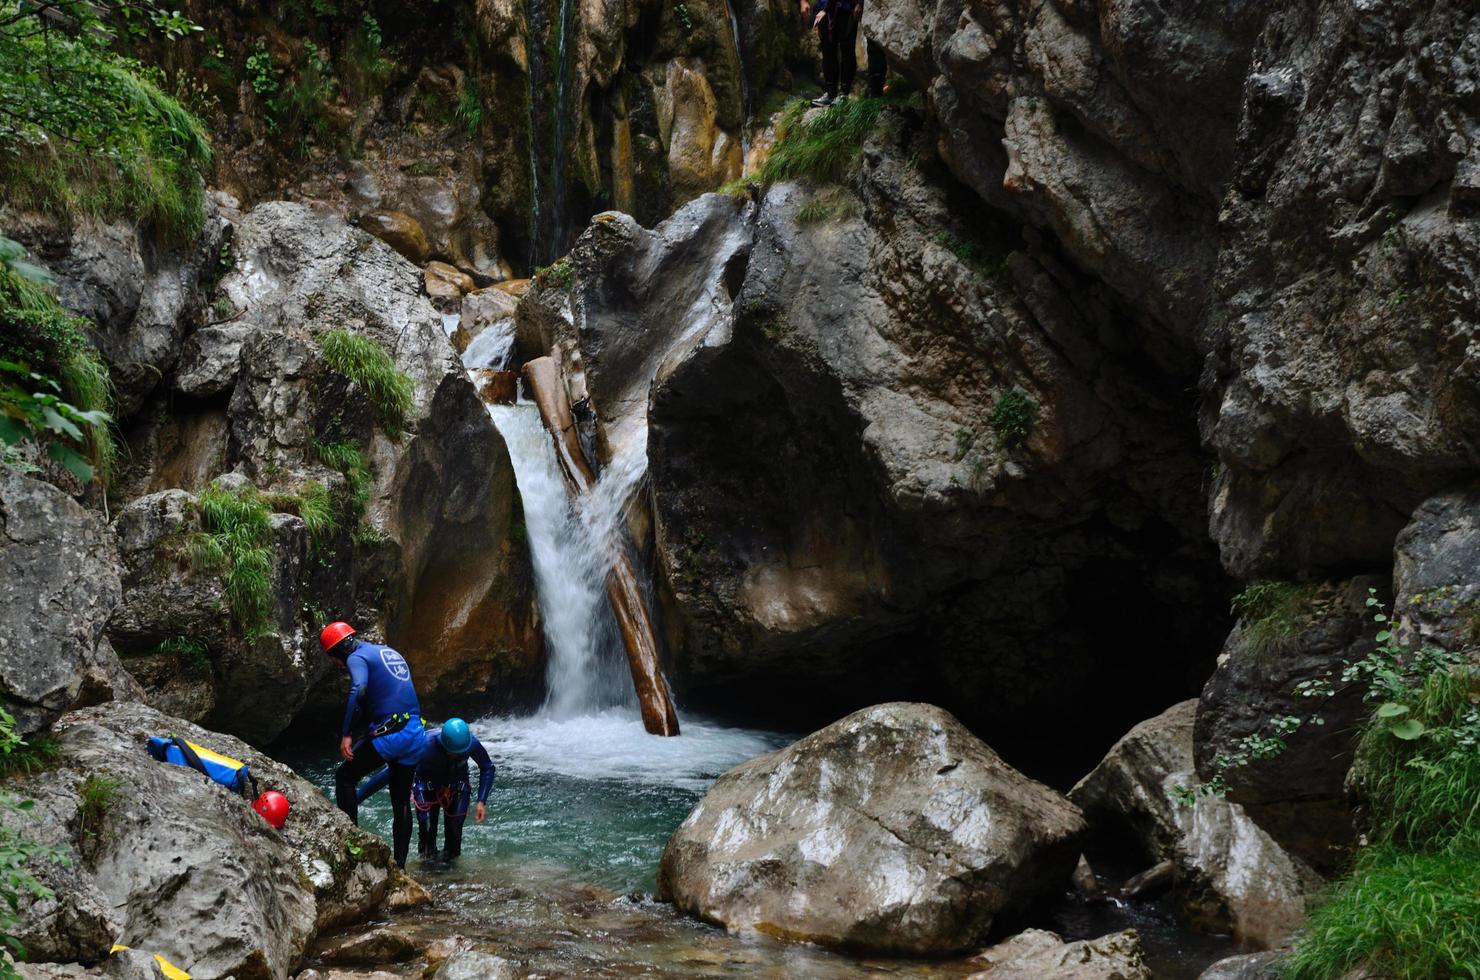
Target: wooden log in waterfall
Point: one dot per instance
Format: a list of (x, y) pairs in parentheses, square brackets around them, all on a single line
[(542, 380)]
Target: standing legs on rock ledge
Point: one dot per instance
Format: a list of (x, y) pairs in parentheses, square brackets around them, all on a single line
[(346, 782)]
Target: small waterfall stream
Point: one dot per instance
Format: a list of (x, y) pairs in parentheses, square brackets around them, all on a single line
[(747, 100)]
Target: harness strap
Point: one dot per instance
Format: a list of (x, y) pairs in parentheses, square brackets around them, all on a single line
[(392, 724)]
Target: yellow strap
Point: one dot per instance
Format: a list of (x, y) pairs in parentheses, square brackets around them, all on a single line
[(216, 757), (170, 970)]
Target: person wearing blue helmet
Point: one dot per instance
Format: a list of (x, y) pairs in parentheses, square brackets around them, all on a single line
[(442, 787)]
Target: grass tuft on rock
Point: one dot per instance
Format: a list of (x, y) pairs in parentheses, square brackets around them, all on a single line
[(819, 149), (364, 362), (193, 656), (1273, 613), (236, 541), (346, 458)]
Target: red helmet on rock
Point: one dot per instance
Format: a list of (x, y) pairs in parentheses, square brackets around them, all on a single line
[(331, 636), (273, 806)]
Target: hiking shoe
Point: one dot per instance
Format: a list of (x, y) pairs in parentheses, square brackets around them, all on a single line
[(823, 101)]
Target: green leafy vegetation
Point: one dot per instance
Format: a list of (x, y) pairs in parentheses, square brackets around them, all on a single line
[(1409, 908), (367, 68), (1273, 613), (236, 543), (193, 656), (369, 367), (17, 852), (54, 389), (469, 112), (19, 757), (86, 130), (1013, 416), (96, 799), (348, 460), (314, 506), (684, 17)]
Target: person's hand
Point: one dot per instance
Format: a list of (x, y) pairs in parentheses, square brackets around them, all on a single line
[(480, 813), (806, 9), (818, 19), (858, 10), (346, 748)]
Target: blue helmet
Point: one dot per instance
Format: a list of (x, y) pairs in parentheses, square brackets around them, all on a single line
[(456, 737)]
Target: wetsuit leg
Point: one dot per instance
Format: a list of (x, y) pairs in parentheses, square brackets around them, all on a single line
[(847, 46), (426, 821), (347, 777), (878, 67), (828, 42), (457, 815), (401, 777)]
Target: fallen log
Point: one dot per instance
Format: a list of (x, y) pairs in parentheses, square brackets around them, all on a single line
[(542, 380)]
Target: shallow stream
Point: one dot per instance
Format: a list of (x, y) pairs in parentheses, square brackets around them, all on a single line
[(560, 877)]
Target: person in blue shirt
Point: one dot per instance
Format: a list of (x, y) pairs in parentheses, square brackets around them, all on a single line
[(380, 688), (442, 785)]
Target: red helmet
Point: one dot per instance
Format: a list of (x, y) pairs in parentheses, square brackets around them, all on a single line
[(331, 635), (273, 806)]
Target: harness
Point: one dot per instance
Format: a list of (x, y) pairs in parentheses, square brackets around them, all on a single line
[(446, 798), (393, 724)]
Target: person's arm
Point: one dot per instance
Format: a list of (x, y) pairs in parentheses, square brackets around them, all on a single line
[(374, 784), (486, 773), (359, 676)]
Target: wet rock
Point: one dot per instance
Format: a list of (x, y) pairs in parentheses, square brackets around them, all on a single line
[(400, 231), (1251, 966), (1040, 955), (1298, 796), (474, 965), (156, 870), (701, 157), (1231, 874), (1085, 882), (380, 945), (1434, 562), (893, 830), (483, 308), (58, 587), (445, 285), (1151, 882)]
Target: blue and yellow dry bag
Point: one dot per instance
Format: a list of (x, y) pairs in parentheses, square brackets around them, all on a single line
[(229, 772)]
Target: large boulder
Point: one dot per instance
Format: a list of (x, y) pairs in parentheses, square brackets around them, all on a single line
[(177, 634), (58, 587), (879, 423), (160, 859), (1298, 795), (893, 830), (434, 561), (1231, 875)]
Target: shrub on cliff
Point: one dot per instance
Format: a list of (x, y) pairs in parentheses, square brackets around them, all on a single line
[(84, 129)]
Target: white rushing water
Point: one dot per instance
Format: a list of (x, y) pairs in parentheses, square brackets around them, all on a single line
[(587, 667), (611, 744)]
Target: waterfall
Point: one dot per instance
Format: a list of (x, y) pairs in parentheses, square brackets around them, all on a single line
[(587, 669), (747, 107), (549, 111)]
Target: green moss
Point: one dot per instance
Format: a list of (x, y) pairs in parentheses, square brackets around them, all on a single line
[(370, 367), (1013, 416), (1272, 614), (236, 541), (469, 112), (559, 275)]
